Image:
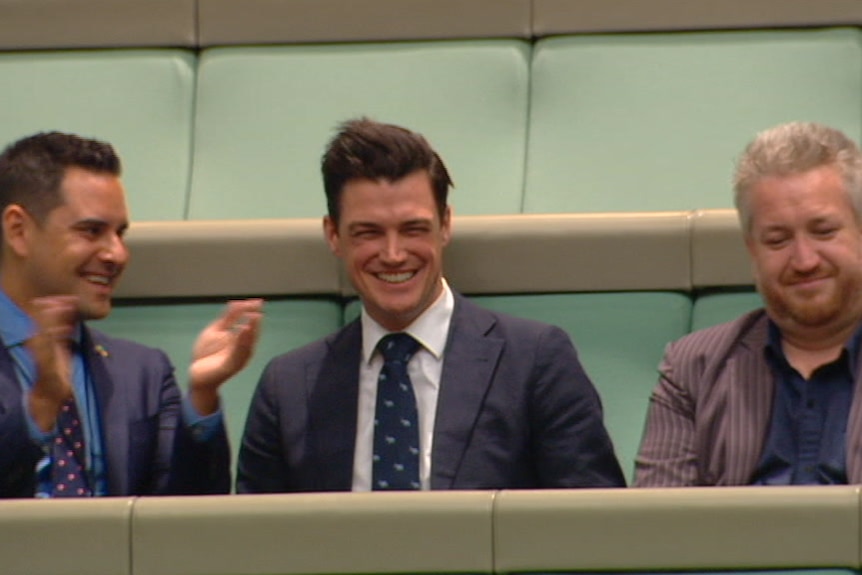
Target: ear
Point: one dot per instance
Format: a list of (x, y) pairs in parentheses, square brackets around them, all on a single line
[(749, 244), (330, 232), (446, 226), (16, 229)]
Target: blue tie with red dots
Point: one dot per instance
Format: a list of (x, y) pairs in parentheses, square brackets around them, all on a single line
[(68, 456), (396, 421)]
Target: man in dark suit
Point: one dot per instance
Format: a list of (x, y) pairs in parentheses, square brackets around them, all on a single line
[(479, 400), (772, 398), (83, 414)]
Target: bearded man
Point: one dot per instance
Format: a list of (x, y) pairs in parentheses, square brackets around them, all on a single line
[(772, 398)]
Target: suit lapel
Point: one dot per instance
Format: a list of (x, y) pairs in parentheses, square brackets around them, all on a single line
[(469, 362), (333, 397), (749, 409), (10, 387), (854, 427), (111, 402)]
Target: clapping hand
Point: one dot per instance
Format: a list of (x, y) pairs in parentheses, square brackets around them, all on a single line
[(222, 349), (54, 318)]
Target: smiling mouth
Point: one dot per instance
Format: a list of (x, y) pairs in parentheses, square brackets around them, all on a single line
[(809, 281), (99, 279), (395, 278)]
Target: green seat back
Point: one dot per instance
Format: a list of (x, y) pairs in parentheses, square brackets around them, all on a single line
[(654, 122), (265, 114), (715, 307), (138, 100)]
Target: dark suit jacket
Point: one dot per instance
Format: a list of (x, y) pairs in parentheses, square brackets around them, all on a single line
[(710, 412), (515, 410), (148, 449)]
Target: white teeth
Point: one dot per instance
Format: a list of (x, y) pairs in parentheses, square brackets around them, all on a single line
[(396, 278), (104, 280)]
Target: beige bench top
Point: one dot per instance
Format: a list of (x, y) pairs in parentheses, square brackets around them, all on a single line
[(488, 255)]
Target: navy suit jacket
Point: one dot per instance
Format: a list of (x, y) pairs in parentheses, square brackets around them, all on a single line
[(148, 449), (515, 410)]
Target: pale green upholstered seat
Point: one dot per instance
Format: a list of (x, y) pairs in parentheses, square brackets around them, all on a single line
[(138, 100), (265, 114), (717, 307), (654, 122)]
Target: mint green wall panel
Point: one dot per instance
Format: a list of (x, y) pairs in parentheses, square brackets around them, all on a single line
[(138, 100), (637, 122), (265, 115)]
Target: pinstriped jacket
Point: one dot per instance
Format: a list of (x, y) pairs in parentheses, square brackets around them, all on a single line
[(709, 414)]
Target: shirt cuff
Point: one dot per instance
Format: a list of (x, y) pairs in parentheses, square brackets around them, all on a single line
[(202, 427), (41, 438)]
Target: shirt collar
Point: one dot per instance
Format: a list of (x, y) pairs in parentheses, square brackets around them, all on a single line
[(17, 327), (776, 351), (430, 329)]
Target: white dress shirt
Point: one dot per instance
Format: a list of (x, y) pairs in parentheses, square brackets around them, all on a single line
[(431, 330)]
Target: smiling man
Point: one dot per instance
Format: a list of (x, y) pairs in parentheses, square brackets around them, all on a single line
[(771, 398), (425, 390), (83, 414)]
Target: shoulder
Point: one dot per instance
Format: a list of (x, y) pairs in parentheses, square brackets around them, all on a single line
[(317, 351), (704, 354), (504, 325), (522, 342), (714, 339), (125, 350)]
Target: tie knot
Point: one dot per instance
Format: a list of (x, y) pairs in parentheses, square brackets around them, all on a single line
[(398, 347)]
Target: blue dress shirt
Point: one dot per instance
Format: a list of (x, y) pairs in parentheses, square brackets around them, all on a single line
[(15, 329), (807, 443)]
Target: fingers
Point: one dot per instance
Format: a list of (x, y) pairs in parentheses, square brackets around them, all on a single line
[(239, 313), (55, 316), (243, 318), (226, 345), (247, 316)]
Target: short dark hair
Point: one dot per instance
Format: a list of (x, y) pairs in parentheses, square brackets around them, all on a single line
[(32, 169), (365, 149)]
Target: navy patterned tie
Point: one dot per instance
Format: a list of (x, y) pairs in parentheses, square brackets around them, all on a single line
[(396, 423), (68, 457)]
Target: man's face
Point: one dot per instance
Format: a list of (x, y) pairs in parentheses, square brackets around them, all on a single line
[(391, 240), (79, 249), (806, 246)]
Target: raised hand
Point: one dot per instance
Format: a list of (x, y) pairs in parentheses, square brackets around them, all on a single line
[(55, 318), (222, 349)]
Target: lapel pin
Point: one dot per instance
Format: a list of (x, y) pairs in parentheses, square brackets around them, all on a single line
[(100, 349)]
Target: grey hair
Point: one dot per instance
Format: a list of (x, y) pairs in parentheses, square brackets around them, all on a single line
[(795, 148)]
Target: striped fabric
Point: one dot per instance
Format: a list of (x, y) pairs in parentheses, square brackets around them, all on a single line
[(709, 413)]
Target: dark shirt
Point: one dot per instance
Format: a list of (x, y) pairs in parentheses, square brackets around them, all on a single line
[(807, 441)]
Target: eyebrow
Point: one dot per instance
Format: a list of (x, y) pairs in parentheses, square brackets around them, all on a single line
[(414, 221), (99, 222)]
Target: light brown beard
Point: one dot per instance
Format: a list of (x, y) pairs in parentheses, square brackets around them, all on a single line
[(809, 312)]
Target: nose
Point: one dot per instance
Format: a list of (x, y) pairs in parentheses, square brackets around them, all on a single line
[(115, 250), (804, 257), (392, 251)]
